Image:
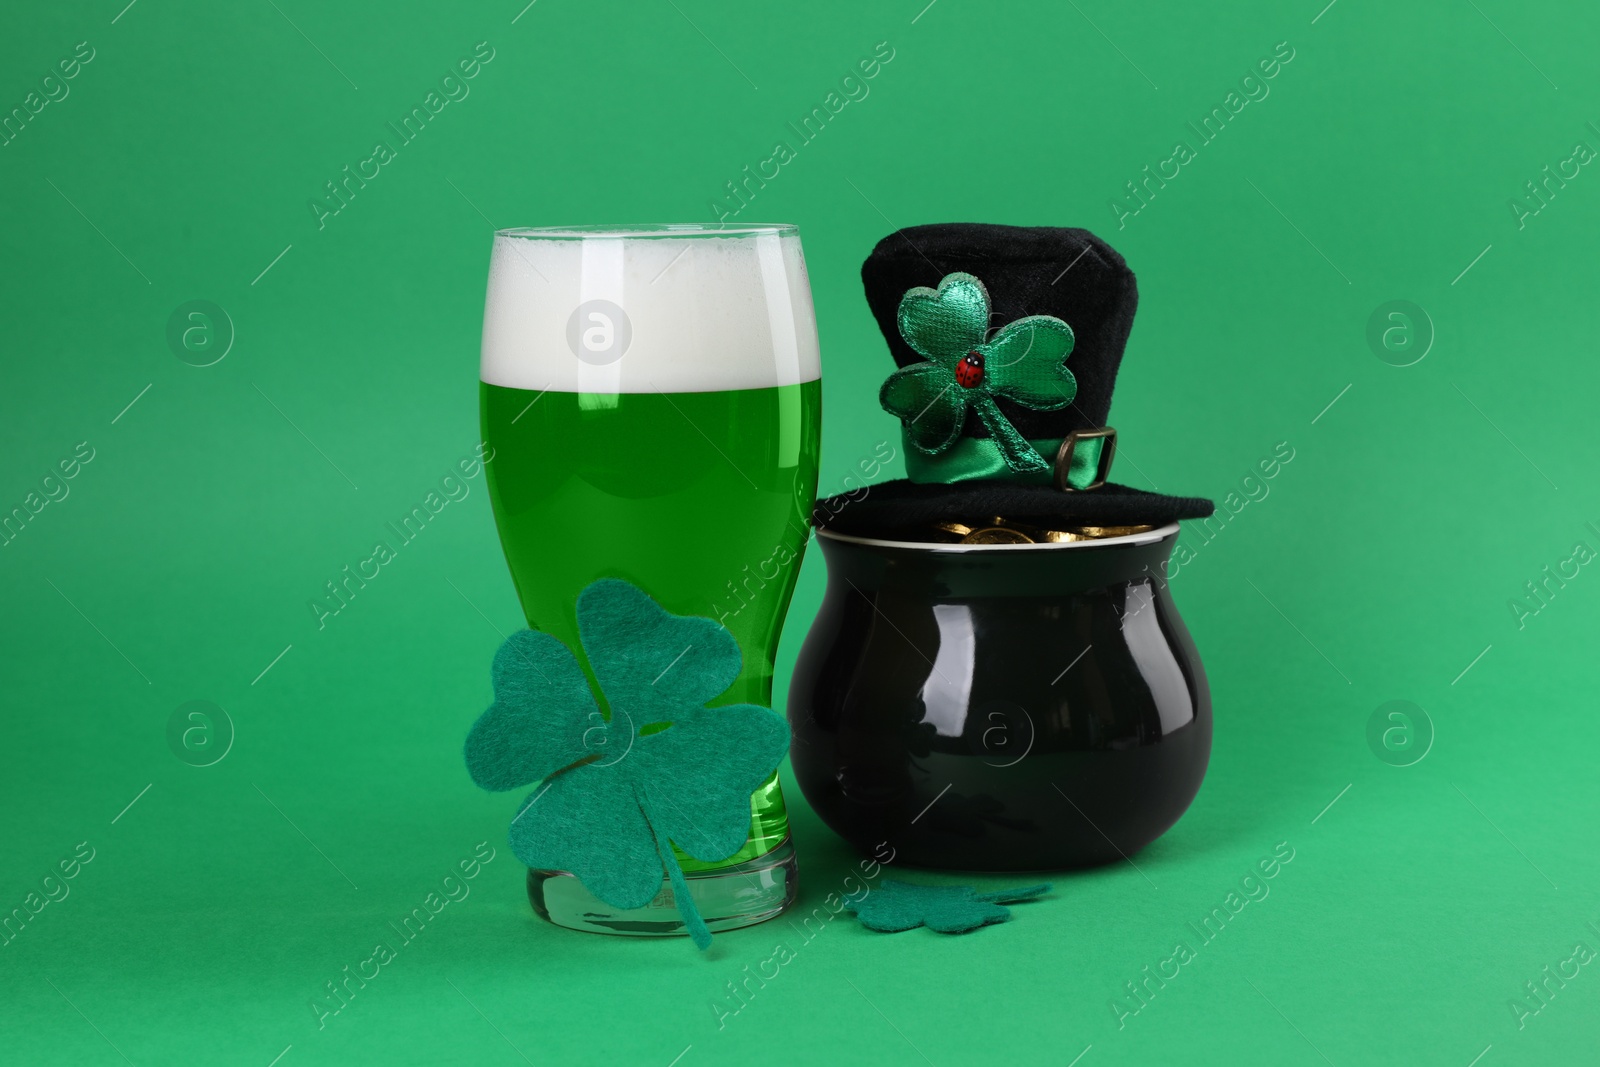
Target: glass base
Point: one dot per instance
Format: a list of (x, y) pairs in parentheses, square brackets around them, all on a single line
[(742, 895)]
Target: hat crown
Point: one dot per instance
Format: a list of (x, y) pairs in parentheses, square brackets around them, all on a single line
[(1027, 270)]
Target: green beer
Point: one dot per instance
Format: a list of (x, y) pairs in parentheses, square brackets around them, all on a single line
[(702, 499), (653, 405)]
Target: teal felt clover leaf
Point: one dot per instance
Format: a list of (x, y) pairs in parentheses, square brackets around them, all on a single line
[(949, 909), (967, 369), (618, 788)]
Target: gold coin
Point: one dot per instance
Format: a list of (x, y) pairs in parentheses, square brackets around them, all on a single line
[(1091, 532), (997, 535), (1033, 532), (959, 529)]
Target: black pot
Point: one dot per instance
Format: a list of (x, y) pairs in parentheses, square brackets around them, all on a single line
[(1000, 707)]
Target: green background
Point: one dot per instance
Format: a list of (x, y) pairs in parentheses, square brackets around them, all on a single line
[(1380, 567)]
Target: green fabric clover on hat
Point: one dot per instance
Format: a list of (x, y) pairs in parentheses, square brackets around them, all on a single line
[(949, 327)]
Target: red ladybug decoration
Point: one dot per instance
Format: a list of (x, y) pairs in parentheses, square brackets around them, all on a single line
[(969, 372)]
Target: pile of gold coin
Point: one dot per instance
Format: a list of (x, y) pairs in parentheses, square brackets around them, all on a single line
[(1002, 531)]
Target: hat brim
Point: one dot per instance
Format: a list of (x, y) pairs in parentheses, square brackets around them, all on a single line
[(906, 510)]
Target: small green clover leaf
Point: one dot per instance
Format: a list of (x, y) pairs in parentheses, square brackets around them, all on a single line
[(1023, 362), (618, 791), (949, 909)]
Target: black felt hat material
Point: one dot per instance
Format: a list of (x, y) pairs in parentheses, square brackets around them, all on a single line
[(1065, 274)]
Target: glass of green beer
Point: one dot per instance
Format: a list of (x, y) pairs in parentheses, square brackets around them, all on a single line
[(652, 397)]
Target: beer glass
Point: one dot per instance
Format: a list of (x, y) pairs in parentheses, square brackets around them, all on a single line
[(652, 397)]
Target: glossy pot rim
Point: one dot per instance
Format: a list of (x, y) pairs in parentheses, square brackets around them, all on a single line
[(1145, 538)]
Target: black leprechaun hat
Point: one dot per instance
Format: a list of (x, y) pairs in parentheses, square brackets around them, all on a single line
[(1008, 340)]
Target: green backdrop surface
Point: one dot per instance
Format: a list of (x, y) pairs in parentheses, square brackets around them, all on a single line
[(1384, 160)]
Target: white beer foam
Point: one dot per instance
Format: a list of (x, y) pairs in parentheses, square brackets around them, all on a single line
[(729, 310)]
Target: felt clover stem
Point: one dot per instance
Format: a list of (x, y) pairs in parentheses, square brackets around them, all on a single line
[(1024, 363), (949, 909), (692, 920), (618, 792)]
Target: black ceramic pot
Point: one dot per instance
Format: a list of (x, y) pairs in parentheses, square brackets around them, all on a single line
[(1000, 707)]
